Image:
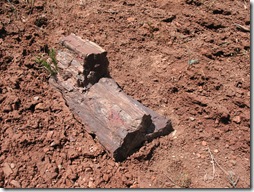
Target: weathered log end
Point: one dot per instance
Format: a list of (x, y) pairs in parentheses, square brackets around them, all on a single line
[(88, 56), (121, 124)]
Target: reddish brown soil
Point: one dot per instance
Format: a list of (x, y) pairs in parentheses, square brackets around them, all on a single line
[(150, 44)]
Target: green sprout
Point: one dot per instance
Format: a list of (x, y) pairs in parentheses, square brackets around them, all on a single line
[(50, 67)]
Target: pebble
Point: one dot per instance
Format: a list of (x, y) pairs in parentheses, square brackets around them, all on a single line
[(91, 184), (36, 98), (7, 169), (46, 149), (40, 106), (192, 118), (130, 19), (88, 169), (134, 186), (12, 165), (237, 119), (204, 143), (49, 135), (60, 166), (216, 151), (15, 183), (105, 177), (233, 162)]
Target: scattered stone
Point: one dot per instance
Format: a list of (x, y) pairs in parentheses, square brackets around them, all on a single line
[(130, 19), (233, 162), (237, 119), (91, 184), (49, 135), (88, 170), (216, 151), (204, 143), (105, 177), (41, 106), (192, 118), (46, 149), (15, 184), (7, 169), (59, 166), (12, 165), (135, 185), (36, 98)]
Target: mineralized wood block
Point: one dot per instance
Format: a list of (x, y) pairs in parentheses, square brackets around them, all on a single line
[(120, 123)]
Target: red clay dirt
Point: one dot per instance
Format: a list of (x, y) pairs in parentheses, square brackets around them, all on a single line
[(188, 60)]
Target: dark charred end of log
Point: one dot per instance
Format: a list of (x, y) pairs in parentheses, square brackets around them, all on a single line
[(95, 67)]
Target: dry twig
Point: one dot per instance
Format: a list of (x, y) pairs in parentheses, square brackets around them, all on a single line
[(213, 160), (242, 28), (233, 181)]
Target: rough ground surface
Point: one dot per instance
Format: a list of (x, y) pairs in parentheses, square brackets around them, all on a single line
[(153, 47)]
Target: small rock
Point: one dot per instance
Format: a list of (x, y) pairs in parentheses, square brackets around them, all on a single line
[(49, 135), (15, 184), (130, 19), (41, 106), (12, 165), (237, 119), (88, 169), (60, 166), (36, 98), (233, 162), (46, 149), (91, 184), (216, 151), (105, 177), (135, 185), (7, 169), (192, 118), (204, 143)]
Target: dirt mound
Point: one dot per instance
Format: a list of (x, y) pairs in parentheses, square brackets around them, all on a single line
[(188, 60)]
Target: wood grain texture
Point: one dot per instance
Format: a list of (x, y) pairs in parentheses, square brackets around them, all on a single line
[(120, 123)]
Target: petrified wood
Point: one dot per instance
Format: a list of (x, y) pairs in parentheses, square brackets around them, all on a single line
[(120, 123)]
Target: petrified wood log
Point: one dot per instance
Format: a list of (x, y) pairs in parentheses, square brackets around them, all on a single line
[(120, 123)]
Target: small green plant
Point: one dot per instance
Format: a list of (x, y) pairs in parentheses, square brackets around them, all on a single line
[(52, 55), (51, 67)]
